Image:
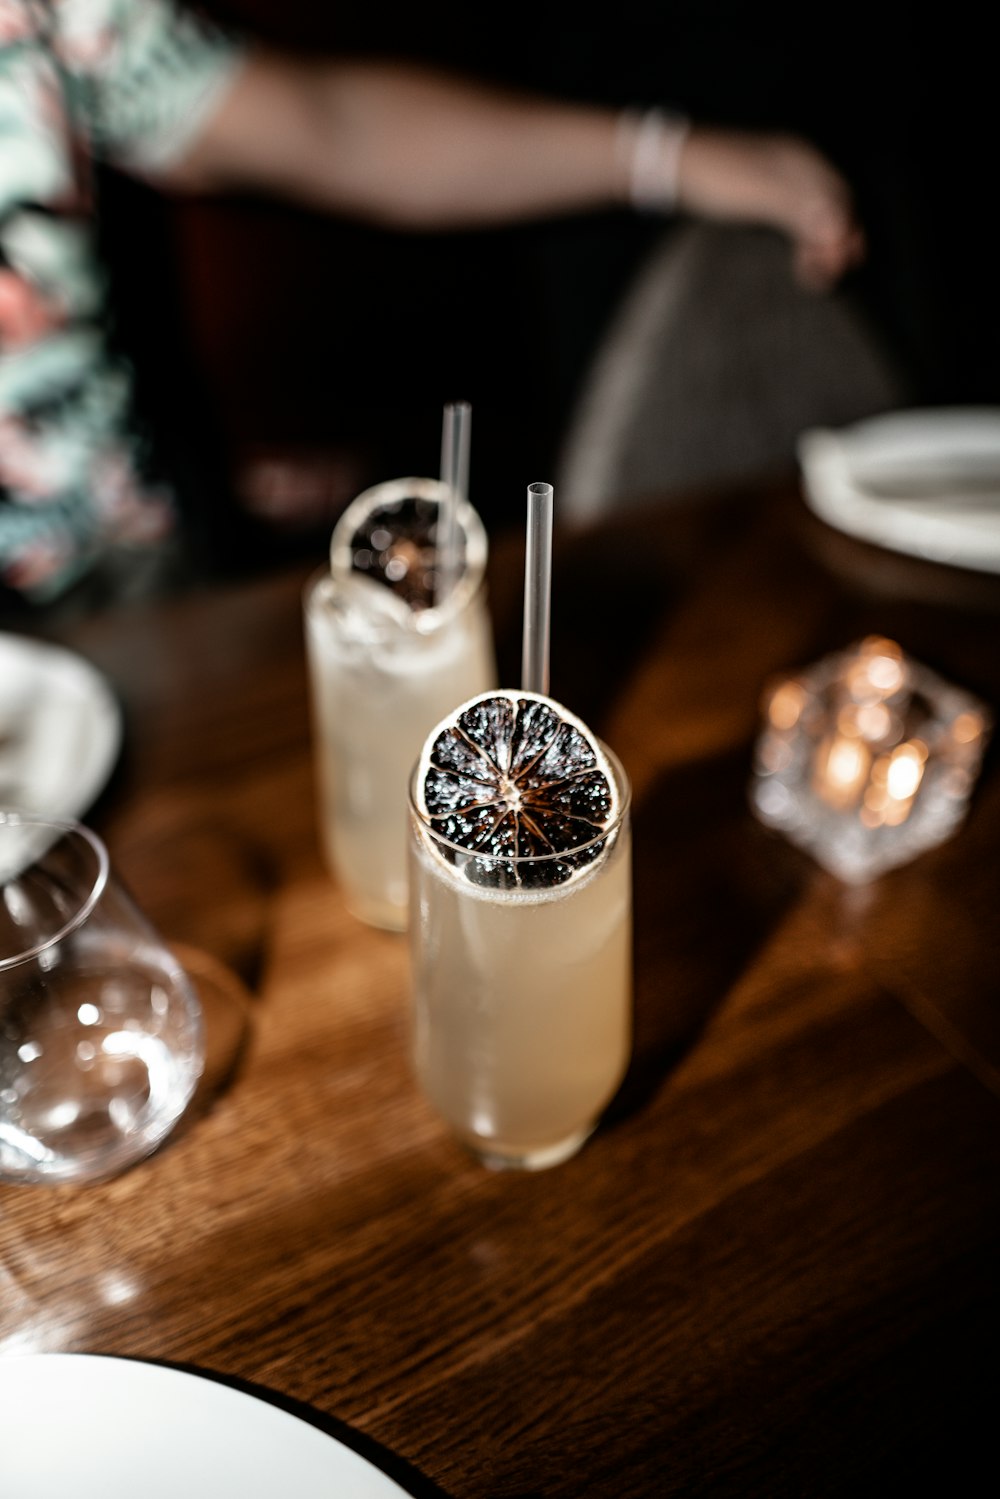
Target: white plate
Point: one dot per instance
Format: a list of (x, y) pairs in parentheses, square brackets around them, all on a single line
[(60, 729), (107, 1428), (924, 482)]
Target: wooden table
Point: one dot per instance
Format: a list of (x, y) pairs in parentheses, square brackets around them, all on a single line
[(774, 1271)]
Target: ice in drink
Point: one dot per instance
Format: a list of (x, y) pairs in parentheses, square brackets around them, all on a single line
[(521, 928), (386, 662)]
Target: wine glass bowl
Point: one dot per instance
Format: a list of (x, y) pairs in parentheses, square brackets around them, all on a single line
[(101, 1037)]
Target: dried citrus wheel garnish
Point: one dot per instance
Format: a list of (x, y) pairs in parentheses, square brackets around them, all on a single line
[(509, 777), (390, 535)]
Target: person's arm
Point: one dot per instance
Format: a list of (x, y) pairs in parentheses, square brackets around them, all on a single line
[(406, 146), (418, 149)]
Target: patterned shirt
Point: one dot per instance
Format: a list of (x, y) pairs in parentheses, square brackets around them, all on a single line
[(126, 81)]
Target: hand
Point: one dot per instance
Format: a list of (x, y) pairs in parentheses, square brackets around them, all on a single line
[(778, 180)]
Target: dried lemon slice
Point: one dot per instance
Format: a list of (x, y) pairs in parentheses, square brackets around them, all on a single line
[(390, 536), (519, 782)]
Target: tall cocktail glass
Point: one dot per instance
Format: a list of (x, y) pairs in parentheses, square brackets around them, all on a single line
[(521, 956), (387, 660)]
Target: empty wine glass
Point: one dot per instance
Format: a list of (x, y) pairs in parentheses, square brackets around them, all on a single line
[(101, 1042)]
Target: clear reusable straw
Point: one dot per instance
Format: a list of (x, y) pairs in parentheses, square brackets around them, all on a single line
[(455, 436), (537, 590)]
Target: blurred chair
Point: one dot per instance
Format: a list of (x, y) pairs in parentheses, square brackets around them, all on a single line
[(714, 363)]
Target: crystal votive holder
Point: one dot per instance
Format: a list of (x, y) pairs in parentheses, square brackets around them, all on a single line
[(867, 758)]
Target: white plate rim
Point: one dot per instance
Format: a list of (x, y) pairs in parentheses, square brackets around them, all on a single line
[(162, 1430), (86, 693), (919, 432), (834, 463)]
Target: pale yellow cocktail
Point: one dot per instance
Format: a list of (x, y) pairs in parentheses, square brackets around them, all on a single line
[(522, 961), (382, 673)]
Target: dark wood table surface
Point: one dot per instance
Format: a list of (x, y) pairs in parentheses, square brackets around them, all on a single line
[(773, 1271)]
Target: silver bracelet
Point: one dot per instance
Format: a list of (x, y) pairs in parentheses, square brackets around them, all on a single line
[(649, 145)]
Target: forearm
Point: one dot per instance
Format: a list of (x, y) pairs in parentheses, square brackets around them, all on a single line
[(404, 146), (416, 149)]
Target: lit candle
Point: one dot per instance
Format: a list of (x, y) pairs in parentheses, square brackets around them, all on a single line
[(841, 769)]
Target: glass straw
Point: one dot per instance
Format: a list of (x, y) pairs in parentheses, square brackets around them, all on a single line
[(455, 435), (537, 590)]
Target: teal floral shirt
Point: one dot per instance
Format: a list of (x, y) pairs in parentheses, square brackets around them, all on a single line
[(130, 82)]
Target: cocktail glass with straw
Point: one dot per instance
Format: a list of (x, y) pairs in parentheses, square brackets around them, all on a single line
[(521, 909), (397, 632)]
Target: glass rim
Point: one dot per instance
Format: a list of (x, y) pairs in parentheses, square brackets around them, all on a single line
[(64, 828), (611, 831), (440, 617), (415, 487), (472, 583)]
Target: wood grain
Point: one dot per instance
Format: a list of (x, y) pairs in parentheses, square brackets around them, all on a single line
[(771, 1272)]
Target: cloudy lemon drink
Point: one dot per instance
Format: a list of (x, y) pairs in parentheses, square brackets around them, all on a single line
[(387, 658), (520, 925)]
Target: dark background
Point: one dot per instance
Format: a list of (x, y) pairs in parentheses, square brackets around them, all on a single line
[(258, 328)]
